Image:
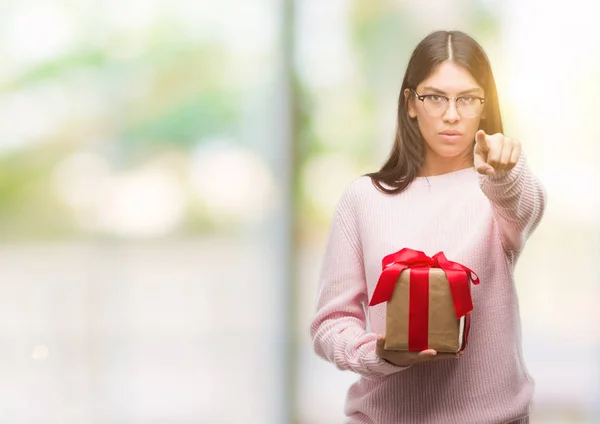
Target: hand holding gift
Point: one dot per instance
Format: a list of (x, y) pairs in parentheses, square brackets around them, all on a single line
[(403, 358), (428, 306)]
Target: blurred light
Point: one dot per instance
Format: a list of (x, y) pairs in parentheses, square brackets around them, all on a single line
[(82, 179), (201, 18), (40, 353), (572, 187), (325, 56), (324, 178), (145, 202), (548, 96), (38, 32), (30, 116), (444, 14), (132, 14), (232, 183), (250, 27)]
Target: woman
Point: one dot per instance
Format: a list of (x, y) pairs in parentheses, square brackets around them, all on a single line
[(453, 183)]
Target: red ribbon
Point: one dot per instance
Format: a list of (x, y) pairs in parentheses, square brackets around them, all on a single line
[(419, 263)]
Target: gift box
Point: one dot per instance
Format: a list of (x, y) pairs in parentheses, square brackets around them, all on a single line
[(428, 301)]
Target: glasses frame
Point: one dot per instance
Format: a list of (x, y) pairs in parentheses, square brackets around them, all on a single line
[(422, 98)]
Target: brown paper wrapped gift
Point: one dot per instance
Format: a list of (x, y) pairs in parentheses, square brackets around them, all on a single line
[(428, 301)]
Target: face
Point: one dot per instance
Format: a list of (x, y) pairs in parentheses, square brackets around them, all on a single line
[(448, 135)]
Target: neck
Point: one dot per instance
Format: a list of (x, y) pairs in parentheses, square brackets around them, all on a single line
[(438, 165)]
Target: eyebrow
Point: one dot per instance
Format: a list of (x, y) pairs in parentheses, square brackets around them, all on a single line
[(438, 91)]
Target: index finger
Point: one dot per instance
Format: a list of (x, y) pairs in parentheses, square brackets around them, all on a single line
[(482, 141)]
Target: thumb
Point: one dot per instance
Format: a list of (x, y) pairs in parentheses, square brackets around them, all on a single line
[(481, 140)]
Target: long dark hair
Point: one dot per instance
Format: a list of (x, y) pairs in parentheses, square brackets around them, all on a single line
[(408, 153)]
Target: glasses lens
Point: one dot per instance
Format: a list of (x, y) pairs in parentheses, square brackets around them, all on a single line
[(468, 107), (435, 105)]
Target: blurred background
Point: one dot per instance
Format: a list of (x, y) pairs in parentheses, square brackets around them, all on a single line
[(168, 173)]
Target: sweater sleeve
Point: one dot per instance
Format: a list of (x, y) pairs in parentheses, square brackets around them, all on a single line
[(518, 202), (338, 330)]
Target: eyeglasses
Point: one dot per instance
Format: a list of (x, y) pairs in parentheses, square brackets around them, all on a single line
[(436, 104)]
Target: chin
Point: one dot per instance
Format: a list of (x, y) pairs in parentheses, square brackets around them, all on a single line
[(450, 152)]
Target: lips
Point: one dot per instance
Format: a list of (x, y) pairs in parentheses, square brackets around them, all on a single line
[(451, 136)]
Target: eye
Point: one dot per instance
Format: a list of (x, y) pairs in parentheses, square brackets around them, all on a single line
[(435, 99), (467, 100)]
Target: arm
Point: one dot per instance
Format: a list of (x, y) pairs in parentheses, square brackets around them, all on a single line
[(518, 202), (338, 329)]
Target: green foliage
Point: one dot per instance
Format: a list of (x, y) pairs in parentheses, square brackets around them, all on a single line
[(184, 124), (28, 205)]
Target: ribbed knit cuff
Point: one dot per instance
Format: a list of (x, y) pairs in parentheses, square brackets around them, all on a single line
[(381, 366)]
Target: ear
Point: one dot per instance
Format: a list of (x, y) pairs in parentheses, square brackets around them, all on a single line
[(410, 103)]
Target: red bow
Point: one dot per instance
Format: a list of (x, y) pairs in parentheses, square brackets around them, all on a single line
[(458, 277)]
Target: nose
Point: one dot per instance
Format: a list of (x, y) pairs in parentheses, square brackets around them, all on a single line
[(451, 115)]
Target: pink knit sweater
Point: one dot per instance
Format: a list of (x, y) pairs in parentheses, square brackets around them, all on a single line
[(482, 222)]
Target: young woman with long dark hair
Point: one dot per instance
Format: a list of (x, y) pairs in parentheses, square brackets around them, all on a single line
[(453, 182)]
